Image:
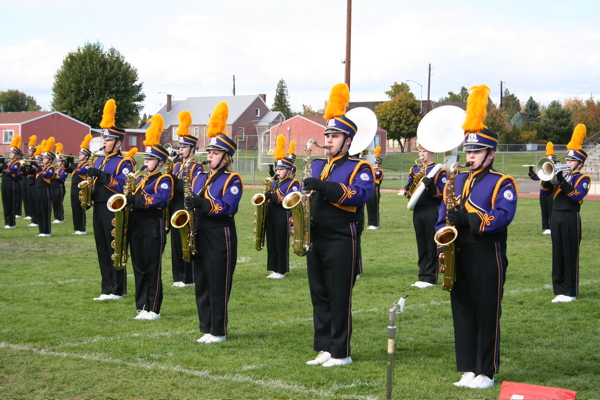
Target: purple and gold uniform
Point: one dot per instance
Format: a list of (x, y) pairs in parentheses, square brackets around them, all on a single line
[(425, 215), (373, 202), (79, 171), (57, 187), (43, 189), (11, 190)]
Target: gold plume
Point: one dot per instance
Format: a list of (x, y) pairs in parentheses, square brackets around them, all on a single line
[(16, 142), (108, 116), (86, 141), (185, 120), (218, 120), (279, 147), (154, 131), (577, 138), (377, 151), (49, 144), (549, 149), (131, 152), (32, 140), (59, 148), (40, 149), (338, 101), (292, 149), (476, 108)]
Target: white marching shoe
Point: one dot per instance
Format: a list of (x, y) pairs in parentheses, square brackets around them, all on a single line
[(481, 382), (422, 285), (141, 314), (322, 358), (466, 378), (336, 362)]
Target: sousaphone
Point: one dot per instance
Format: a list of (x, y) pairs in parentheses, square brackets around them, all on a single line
[(366, 122)]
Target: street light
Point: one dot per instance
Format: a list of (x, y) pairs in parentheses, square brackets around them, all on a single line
[(408, 80)]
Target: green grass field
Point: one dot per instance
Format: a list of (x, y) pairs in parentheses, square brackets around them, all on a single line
[(55, 342)]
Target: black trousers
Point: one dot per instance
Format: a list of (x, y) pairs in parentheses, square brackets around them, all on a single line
[(424, 219), (332, 272), (566, 237), (44, 209), (373, 206), (25, 197), (277, 227), (11, 192), (79, 214), (217, 256), (58, 196), (147, 239), (546, 207), (477, 306), (113, 281), (31, 196), (183, 271)]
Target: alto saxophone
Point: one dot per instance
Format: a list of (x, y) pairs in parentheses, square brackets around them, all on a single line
[(117, 203), (184, 219), (86, 186), (299, 205), (446, 235), (167, 209), (259, 200)]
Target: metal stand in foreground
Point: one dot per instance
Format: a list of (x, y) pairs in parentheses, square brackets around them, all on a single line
[(396, 309)]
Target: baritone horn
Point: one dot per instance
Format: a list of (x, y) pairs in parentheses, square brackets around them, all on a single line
[(546, 170)]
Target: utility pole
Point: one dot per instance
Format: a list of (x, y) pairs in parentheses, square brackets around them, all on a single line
[(429, 89), (501, 93), (234, 85), (348, 41)]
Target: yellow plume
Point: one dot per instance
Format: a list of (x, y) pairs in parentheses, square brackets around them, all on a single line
[(154, 131), (292, 149), (279, 147), (577, 138), (218, 120), (59, 148), (32, 140), (86, 141), (49, 144), (377, 151), (549, 149), (338, 101), (108, 116), (16, 142), (40, 148), (185, 120), (476, 108), (131, 152)]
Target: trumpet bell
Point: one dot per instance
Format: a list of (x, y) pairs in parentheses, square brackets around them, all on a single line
[(440, 130), (546, 170)]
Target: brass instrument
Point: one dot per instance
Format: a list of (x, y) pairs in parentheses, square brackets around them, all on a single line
[(546, 170), (417, 178), (117, 203), (184, 219), (447, 235), (168, 171), (259, 200), (86, 186), (299, 205)]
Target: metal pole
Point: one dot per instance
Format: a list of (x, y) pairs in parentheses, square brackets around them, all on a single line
[(396, 309), (348, 39)]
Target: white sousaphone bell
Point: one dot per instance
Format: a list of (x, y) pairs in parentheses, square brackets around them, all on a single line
[(366, 122), (439, 131)]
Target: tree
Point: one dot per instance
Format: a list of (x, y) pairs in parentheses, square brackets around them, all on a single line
[(585, 112), (510, 104), (398, 88), (531, 113), (454, 97), (399, 116), (556, 125), (88, 77), (495, 121), (281, 102), (15, 101)]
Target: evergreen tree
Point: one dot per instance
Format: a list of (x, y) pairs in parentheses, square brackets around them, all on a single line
[(556, 125), (532, 112), (16, 101), (88, 77), (281, 102), (456, 97), (510, 104)]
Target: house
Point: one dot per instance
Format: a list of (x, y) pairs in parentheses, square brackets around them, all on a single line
[(302, 128), (43, 124), (249, 117)]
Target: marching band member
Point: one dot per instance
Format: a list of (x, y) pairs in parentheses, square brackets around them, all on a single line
[(183, 271), (28, 179), (79, 171), (373, 202), (147, 234), (11, 182), (109, 172), (425, 215), (43, 189), (340, 185), (217, 196), (568, 193), (277, 220), (487, 202), (545, 201), (57, 186)]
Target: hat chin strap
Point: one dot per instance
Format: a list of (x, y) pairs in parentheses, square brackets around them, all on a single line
[(487, 153)]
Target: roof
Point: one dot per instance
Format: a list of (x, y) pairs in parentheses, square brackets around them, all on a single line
[(202, 107), (21, 117)]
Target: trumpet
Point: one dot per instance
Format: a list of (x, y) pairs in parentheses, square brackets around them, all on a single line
[(546, 170)]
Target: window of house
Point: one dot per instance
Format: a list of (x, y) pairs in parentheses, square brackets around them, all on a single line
[(175, 137), (132, 140), (377, 140), (258, 112), (241, 135), (7, 136), (196, 131)]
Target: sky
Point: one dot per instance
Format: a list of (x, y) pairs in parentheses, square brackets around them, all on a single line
[(548, 50)]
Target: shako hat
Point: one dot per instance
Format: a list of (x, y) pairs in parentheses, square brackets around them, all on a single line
[(32, 145), (152, 142), (15, 146), (576, 152), (216, 130), (335, 112), (477, 136), (59, 152), (47, 150), (85, 145), (185, 139), (377, 159), (110, 131), (284, 161), (550, 152)]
